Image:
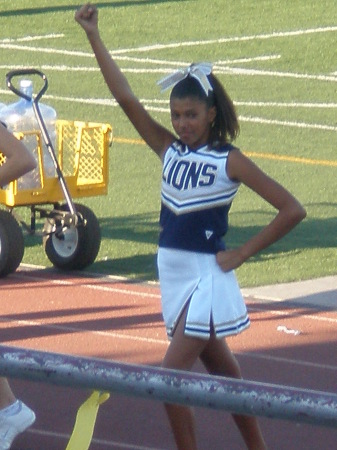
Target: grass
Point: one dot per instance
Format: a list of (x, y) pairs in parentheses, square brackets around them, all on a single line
[(277, 60)]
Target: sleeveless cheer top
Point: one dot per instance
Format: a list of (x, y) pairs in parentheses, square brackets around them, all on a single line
[(196, 195)]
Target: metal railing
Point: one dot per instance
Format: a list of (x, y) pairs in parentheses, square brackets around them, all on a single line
[(171, 386)]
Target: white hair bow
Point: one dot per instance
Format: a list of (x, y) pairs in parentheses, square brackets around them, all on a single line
[(199, 71)]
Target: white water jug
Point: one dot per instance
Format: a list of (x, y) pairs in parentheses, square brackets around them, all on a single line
[(20, 116)]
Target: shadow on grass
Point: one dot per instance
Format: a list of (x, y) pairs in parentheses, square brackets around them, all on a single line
[(310, 234), (144, 229), (73, 7), (141, 267)]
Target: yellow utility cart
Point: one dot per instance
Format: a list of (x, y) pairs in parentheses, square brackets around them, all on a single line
[(71, 233)]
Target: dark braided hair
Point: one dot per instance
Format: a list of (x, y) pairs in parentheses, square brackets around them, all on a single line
[(225, 127)]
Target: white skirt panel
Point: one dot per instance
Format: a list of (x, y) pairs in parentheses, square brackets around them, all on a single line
[(214, 299)]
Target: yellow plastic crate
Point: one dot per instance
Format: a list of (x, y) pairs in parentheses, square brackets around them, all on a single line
[(82, 153)]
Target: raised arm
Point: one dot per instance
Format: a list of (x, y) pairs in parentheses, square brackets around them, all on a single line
[(289, 211), (156, 136), (19, 160)]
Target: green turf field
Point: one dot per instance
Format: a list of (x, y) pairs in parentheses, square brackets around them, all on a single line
[(278, 61)]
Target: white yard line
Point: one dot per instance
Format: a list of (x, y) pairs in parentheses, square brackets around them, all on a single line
[(220, 66), (217, 69), (33, 38), (49, 50), (288, 105), (272, 73), (260, 120), (282, 34), (287, 123)]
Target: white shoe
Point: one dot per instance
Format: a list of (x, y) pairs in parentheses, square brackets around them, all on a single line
[(12, 425)]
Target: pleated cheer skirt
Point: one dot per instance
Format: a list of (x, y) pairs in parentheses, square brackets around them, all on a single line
[(213, 297)]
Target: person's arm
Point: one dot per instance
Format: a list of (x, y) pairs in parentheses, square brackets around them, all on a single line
[(290, 211), (156, 136), (19, 159)]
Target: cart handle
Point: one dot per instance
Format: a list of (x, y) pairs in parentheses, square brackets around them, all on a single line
[(16, 73), (44, 131)]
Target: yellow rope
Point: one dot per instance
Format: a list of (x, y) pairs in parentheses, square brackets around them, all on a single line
[(81, 436)]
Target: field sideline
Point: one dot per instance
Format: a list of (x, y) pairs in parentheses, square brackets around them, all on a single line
[(281, 76)]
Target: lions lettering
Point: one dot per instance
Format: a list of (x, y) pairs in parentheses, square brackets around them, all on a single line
[(184, 175)]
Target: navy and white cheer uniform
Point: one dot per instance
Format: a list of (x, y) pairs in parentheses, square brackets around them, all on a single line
[(196, 196)]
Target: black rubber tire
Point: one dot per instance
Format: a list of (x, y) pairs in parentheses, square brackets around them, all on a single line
[(12, 244), (80, 245)]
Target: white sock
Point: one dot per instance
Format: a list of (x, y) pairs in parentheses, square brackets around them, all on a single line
[(11, 410)]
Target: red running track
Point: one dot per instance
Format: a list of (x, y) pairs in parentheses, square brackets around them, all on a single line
[(120, 320)]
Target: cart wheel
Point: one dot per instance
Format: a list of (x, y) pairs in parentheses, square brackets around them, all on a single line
[(77, 247), (11, 244)]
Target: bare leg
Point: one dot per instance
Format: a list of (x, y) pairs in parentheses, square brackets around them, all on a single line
[(219, 360), (6, 395), (182, 353)]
